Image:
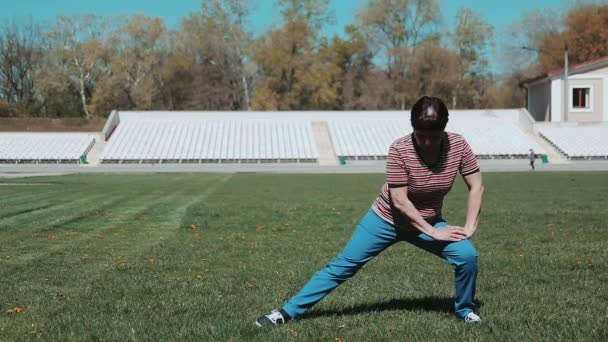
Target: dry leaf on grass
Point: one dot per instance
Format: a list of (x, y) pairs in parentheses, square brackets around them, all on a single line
[(14, 309), (292, 332)]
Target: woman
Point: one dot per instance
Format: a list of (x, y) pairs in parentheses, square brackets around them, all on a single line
[(420, 171)]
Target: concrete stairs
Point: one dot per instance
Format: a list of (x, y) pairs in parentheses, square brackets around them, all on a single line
[(95, 152), (325, 147), (555, 157)]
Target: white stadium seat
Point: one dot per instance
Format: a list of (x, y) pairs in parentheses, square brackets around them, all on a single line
[(212, 137), (588, 141), (489, 136), (29, 147), (210, 140)]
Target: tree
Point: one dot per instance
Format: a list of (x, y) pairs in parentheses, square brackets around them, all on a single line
[(78, 43), (394, 29), (20, 58), (212, 46), (137, 51), (435, 70), (472, 38), (587, 32), (350, 61), (544, 34), (292, 76)]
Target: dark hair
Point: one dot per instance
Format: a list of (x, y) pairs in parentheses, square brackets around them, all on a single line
[(429, 113)]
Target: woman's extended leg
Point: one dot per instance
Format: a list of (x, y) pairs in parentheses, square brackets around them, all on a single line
[(372, 236)]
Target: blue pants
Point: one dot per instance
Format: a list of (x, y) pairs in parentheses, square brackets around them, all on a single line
[(372, 236)]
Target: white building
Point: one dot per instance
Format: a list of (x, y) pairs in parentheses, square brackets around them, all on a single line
[(587, 94)]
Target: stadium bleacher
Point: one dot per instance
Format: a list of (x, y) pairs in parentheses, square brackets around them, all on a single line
[(491, 134), (582, 141), (366, 138), (495, 138), (289, 137), (29, 147), (204, 140)]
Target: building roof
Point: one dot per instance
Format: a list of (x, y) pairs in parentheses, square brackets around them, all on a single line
[(592, 64)]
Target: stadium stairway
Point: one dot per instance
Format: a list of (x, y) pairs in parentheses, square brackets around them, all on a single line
[(555, 157), (325, 147), (95, 152)]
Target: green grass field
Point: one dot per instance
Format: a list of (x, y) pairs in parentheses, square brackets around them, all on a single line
[(199, 257)]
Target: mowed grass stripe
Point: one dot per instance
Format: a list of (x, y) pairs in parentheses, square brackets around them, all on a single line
[(20, 200), (59, 211), (11, 204), (143, 280), (72, 232), (123, 252), (116, 217)]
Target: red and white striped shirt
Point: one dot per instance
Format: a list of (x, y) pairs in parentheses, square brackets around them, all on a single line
[(426, 185)]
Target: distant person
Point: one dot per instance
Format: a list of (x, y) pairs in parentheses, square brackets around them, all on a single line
[(532, 157), (420, 171)]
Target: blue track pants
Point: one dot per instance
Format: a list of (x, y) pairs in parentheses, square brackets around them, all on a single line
[(372, 236)]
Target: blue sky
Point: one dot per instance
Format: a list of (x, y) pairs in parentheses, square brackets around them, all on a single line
[(498, 13)]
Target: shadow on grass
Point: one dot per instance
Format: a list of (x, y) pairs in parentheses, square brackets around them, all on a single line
[(438, 304)]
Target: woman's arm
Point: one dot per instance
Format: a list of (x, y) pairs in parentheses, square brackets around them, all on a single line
[(475, 185), (407, 208)]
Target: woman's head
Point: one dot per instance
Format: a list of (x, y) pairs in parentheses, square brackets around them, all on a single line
[(429, 114), (429, 118)]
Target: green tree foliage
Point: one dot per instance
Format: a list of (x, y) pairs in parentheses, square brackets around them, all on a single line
[(77, 56), (349, 61), (138, 49), (472, 38), (294, 74)]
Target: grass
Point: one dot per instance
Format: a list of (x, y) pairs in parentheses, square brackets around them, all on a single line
[(199, 256)]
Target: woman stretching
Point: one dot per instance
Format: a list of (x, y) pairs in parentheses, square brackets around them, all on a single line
[(420, 171)]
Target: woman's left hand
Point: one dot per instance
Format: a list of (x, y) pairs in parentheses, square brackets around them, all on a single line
[(468, 231)]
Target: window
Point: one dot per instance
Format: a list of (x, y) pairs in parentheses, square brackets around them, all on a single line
[(580, 98)]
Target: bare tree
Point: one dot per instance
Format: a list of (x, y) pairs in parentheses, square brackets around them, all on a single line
[(214, 43), (395, 28), (20, 56)]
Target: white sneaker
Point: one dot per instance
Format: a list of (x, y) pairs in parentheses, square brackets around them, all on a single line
[(472, 318), (273, 318)]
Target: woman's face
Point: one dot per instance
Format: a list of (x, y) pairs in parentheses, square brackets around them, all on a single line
[(428, 140)]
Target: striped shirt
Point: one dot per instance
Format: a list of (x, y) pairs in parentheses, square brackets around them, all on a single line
[(426, 185)]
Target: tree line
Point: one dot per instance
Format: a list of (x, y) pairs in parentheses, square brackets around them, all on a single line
[(394, 52)]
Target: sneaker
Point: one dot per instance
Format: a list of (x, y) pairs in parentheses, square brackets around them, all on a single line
[(472, 318), (273, 318)]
